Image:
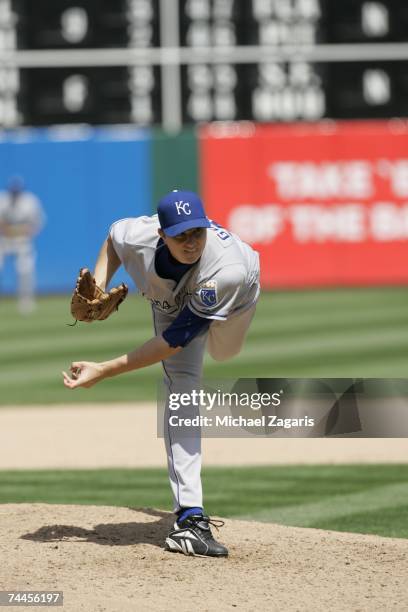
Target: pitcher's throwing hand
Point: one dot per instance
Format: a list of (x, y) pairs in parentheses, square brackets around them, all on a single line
[(83, 374)]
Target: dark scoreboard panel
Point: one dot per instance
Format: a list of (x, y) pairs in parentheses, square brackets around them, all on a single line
[(234, 90), (287, 91), (78, 24), (362, 21), (96, 95), (86, 95)]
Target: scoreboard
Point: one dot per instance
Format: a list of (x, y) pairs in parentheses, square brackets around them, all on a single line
[(200, 60)]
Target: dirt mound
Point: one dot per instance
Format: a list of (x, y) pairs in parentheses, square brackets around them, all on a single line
[(107, 558)]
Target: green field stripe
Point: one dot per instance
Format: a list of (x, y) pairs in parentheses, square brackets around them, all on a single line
[(44, 371), (62, 356), (357, 363), (372, 367), (112, 487), (335, 507), (306, 345), (63, 331), (291, 325), (355, 353), (335, 298), (134, 387), (51, 345), (34, 326), (311, 363), (368, 365), (316, 331), (389, 522)]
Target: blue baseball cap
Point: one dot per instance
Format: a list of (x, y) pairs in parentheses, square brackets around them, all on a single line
[(180, 211)]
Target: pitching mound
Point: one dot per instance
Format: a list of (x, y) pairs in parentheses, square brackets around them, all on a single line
[(107, 558)]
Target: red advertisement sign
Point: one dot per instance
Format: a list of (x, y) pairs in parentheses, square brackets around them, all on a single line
[(324, 204)]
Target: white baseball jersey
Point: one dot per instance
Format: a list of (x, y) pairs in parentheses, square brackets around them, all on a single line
[(25, 209), (223, 283)]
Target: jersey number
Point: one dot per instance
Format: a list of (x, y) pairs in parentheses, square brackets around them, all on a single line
[(220, 231)]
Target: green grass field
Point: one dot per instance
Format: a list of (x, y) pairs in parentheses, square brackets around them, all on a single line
[(332, 333), (363, 499)]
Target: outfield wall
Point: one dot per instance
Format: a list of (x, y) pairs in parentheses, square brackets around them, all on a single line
[(325, 204), (86, 179)]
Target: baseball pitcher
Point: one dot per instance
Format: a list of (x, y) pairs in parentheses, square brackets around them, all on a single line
[(203, 285)]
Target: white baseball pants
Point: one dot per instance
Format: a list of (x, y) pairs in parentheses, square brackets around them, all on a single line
[(182, 374), (22, 249)]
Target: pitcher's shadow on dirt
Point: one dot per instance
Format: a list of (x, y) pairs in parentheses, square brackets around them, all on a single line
[(111, 534)]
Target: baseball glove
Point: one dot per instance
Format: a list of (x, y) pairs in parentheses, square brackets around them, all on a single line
[(90, 303)]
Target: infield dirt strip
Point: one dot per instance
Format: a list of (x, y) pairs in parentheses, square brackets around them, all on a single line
[(111, 559), (125, 435)]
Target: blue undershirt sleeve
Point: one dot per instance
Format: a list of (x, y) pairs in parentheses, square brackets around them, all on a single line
[(184, 328)]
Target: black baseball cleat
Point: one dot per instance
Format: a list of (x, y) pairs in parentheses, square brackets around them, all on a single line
[(193, 537)]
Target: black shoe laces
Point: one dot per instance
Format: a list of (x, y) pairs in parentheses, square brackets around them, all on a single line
[(199, 518)]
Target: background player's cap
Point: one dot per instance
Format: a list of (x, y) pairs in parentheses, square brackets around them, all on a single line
[(15, 183), (180, 211)]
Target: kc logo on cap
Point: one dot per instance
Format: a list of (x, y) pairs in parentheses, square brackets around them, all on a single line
[(180, 211), (183, 206)]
